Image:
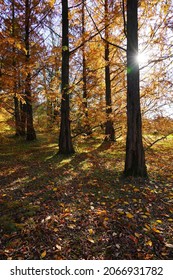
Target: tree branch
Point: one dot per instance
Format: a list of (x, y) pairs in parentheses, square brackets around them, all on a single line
[(99, 32), (159, 139)]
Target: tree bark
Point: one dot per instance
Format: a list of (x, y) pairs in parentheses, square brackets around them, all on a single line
[(30, 134), (22, 119), (135, 157), (17, 117), (84, 75), (65, 140), (109, 128), (16, 101)]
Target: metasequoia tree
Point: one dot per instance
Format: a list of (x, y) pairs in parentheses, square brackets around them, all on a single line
[(65, 140), (21, 19), (30, 133), (135, 158), (109, 128), (17, 115), (11, 62), (84, 74)]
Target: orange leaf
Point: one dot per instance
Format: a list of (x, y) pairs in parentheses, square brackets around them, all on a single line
[(156, 230)]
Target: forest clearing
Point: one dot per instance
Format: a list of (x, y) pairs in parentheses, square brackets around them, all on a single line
[(81, 207)]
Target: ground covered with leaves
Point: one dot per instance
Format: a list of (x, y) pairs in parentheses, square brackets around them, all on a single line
[(81, 207)]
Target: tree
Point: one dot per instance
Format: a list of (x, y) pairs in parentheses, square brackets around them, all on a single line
[(65, 140), (84, 74), (30, 135), (109, 128), (16, 101), (135, 157)]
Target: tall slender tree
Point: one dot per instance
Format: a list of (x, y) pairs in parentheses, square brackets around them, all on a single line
[(30, 134), (135, 157), (109, 128), (65, 140), (16, 101), (84, 74)]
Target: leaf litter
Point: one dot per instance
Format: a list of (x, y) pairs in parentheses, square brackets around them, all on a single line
[(55, 211)]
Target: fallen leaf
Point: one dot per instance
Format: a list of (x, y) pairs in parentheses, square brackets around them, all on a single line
[(91, 240), (121, 211), (158, 221), (129, 215), (43, 254), (72, 226), (134, 239), (147, 227), (91, 231), (149, 243), (58, 247), (156, 230), (169, 245)]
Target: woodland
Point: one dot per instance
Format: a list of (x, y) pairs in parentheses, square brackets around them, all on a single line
[(86, 129)]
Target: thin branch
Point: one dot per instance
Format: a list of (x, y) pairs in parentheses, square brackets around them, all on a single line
[(84, 42), (75, 6), (99, 32), (124, 18), (159, 139)]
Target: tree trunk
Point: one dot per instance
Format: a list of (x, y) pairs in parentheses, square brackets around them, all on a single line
[(30, 134), (22, 119), (14, 70), (65, 140), (17, 116), (135, 158), (109, 129), (84, 75)]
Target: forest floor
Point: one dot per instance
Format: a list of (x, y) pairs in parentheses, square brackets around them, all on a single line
[(81, 207)]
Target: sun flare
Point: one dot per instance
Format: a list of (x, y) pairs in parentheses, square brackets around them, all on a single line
[(142, 58)]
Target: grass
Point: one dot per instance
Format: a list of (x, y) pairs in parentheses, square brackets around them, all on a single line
[(80, 207)]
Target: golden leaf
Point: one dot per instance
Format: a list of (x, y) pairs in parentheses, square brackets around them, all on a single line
[(149, 243), (91, 231), (91, 240), (147, 227), (71, 226), (137, 234), (159, 221), (129, 215), (144, 216), (136, 190), (43, 254), (156, 230)]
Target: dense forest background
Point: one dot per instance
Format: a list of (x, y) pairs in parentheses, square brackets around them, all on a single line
[(86, 97)]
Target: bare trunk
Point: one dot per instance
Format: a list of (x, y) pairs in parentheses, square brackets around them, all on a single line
[(22, 119), (30, 134), (84, 75), (16, 101), (17, 116), (65, 140), (135, 158), (109, 128)]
